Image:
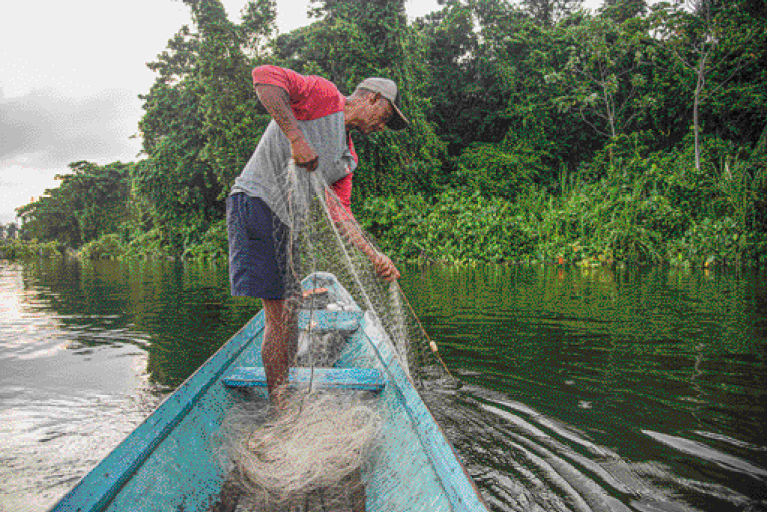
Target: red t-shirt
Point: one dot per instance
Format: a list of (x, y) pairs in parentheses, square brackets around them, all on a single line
[(311, 97)]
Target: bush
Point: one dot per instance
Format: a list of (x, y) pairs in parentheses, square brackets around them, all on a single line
[(712, 240), (213, 245), (398, 225), (501, 170), (148, 245), (464, 226), (458, 226), (20, 250), (645, 209), (107, 247)]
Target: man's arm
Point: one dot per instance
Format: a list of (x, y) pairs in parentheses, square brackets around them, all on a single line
[(276, 101), (348, 228)]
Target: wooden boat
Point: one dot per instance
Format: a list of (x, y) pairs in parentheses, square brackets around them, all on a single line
[(171, 462)]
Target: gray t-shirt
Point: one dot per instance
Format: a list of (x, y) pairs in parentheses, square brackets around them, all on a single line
[(266, 173)]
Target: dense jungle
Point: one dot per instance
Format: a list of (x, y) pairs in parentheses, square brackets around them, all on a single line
[(540, 132)]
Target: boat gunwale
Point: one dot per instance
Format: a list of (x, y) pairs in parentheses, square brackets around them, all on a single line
[(102, 484), (462, 492)]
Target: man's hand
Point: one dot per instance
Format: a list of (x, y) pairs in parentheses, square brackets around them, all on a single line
[(303, 154), (277, 103), (385, 268)]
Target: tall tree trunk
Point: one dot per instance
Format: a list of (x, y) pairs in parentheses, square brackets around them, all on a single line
[(696, 106)]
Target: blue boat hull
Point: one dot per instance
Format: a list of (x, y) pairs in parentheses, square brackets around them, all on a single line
[(172, 461)]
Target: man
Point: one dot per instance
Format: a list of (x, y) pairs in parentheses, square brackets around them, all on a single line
[(311, 121)]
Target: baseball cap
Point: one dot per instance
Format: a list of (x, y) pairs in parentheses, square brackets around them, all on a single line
[(387, 89)]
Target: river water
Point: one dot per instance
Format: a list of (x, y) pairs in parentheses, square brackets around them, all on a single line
[(598, 390)]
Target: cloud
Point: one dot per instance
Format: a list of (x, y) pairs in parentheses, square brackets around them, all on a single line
[(20, 184), (48, 129)]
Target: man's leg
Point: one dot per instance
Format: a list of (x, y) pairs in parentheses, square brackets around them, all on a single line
[(278, 350)]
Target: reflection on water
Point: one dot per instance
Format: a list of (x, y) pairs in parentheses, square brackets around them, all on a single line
[(638, 390), (582, 391), (51, 438), (86, 353)]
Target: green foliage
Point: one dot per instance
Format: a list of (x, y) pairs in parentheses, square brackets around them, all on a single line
[(644, 208), (456, 87), (228, 104), (708, 48), (460, 226), (547, 12), (108, 247), (89, 202), (603, 80), (9, 231), (623, 10), (148, 245), (398, 223), (202, 120), (709, 241), (538, 132), (21, 250), (213, 245), (501, 170), (177, 186)]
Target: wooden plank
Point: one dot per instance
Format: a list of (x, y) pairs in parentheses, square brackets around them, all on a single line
[(326, 320), (339, 378)]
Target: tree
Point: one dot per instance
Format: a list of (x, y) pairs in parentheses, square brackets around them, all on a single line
[(257, 27), (517, 52), (738, 109), (622, 10), (457, 89), (489, 98), (603, 78), (549, 12), (202, 120), (230, 108), (703, 43), (12, 231), (91, 201), (356, 39)]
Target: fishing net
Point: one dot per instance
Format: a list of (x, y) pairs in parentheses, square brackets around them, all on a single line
[(324, 237), (309, 457), (323, 449)]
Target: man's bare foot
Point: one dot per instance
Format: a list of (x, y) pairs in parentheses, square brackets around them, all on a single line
[(281, 398)]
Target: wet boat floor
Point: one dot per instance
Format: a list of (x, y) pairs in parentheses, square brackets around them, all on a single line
[(349, 496), (324, 348)]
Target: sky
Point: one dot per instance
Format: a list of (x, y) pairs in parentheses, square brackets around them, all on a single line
[(70, 76)]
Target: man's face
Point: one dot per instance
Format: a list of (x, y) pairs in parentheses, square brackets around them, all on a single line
[(377, 114)]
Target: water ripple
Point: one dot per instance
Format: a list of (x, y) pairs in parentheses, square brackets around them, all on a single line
[(526, 461)]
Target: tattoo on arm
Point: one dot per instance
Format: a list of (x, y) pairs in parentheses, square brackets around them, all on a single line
[(277, 103)]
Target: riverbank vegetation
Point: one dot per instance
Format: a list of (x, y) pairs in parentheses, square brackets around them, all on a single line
[(539, 132)]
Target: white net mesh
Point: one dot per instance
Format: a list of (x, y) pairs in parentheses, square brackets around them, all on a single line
[(308, 457), (325, 238), (332, 451)]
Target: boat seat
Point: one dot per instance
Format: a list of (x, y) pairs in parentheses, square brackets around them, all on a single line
[(366, 379), (325, 320)]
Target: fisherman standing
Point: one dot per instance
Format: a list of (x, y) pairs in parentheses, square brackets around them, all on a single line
[(311, 124)]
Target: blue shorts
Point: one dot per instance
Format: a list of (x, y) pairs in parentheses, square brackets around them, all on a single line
[(262, 263)]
